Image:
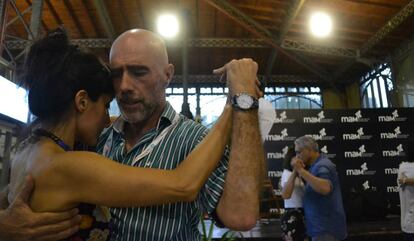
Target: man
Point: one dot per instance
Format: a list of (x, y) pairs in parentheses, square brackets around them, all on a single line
[(141, 73), (324, 212)]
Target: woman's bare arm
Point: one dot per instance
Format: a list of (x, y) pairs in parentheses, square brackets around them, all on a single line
[(287, 189), (91, 178)]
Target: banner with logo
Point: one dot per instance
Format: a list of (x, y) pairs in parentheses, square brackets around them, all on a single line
[(367, 145)]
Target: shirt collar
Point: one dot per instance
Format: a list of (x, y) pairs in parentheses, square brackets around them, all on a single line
[(166, 119), (317, 160)]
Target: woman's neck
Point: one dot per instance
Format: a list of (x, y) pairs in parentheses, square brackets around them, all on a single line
[(64, 131)]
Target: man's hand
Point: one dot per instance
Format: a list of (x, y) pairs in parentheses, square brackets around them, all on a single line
[(297, 165), (241, 77), (19, 223)]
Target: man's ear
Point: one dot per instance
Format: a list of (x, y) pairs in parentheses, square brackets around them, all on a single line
[(169, 72), (81, 100)]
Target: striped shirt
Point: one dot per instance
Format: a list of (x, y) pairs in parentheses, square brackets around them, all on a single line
[(178, 221)]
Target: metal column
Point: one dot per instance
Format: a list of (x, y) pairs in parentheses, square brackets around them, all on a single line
[(3, 19), (36, 18), (198, 108), (5, 172), (185, 109)]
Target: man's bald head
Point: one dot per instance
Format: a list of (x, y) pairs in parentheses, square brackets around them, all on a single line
[(140, 40), (141, 73)]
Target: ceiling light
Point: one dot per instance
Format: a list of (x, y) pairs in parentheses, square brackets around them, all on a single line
[(167, 25), (321, 24)]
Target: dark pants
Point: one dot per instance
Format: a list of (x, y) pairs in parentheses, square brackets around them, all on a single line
[(325, 237), (408, 236)]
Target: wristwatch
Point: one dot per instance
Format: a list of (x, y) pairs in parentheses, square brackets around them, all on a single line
[(244, 101)]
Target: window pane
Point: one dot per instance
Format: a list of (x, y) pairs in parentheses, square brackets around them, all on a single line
[(280, 90), (191, 90), (281, 103), (383, 92), (205, 90), (315, 89), (292, 90), (211, 108), (410, 100), (218, 90), (376, 93), (178, 90), (304, 103), (176, 102), (369, 94)]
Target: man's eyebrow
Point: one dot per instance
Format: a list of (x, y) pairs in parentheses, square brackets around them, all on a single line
[(137, 66)]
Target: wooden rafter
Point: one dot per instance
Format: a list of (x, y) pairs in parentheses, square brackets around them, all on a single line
[(75, 18)]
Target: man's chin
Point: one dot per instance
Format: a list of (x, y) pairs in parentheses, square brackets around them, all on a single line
[(133, 118)]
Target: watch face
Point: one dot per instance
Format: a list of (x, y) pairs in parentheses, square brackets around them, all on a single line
[(245, 101)]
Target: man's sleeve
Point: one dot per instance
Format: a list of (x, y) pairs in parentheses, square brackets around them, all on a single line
[(325, 173), (210, 194)]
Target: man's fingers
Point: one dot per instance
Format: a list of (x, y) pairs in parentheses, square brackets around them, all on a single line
[(52, 218), (53, 229), (220, 70), (26, 190)]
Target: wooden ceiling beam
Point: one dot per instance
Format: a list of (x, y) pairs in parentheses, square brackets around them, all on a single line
[(386, 3), (84, 3), (105, 18), (53, 12), (258, 8), (141, 13), (350, 8), (125, 18), (75, 18)]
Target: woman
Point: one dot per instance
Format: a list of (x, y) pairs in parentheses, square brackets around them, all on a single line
[(406, 183), (293, 190), (69, 92)]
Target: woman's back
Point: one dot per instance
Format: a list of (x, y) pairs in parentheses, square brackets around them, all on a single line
[(37, 159)]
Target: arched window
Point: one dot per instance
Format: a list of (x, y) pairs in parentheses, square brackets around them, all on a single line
[(375, 87)]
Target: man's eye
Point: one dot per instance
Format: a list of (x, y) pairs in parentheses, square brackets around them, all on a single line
[(138, 73)]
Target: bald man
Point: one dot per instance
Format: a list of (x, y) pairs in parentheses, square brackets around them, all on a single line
[(141, 74)]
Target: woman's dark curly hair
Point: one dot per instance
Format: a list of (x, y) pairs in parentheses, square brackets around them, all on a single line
[(288, 158), (55, 70)]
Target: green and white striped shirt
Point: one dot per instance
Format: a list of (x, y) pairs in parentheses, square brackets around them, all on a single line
[(177, 221)]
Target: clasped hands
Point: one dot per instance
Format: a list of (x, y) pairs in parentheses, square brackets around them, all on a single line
[(241, 77), (297, 165)]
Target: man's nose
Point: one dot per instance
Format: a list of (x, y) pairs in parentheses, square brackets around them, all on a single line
[(125, 82)]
